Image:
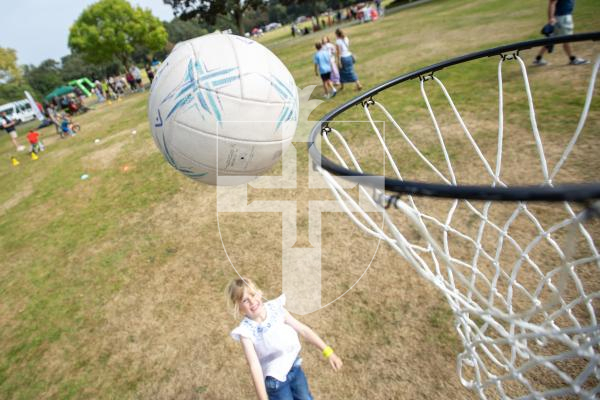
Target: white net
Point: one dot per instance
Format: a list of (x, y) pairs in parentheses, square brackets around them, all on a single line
[(522, 279)]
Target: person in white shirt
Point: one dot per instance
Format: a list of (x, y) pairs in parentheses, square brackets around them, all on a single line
[(345, 60), (137, 75), (269, 337)]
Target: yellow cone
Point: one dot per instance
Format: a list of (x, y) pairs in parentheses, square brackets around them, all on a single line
[(34, 156), (109, 102), (14, 161)]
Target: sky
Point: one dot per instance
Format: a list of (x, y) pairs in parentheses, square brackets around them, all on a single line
[(39, 29)]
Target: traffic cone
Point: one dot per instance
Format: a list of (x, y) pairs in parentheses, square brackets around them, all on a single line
[(34, 156), (14, 161)]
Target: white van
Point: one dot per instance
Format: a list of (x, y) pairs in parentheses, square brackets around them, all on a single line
[(20, 110)]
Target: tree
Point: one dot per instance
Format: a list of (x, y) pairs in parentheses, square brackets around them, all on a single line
[(75, 67), (180, 30), (8, 65), (45, 77), (312, 7), (13, 91), (112, 29), (278, 13), (12, 84), (209, 10)]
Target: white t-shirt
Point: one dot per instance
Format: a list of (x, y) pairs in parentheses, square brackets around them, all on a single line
[(135, 71), (344, 45), (276, 343), (331, 48)]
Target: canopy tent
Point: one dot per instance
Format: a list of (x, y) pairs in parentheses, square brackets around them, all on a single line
[(59, 91)]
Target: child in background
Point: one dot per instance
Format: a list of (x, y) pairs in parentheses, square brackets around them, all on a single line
[(322, 62), (65, 126), (332, 48), (269, 337), (34, 140)]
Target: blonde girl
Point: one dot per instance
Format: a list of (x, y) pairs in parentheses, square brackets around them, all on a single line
[(332, 48), (269, 337)]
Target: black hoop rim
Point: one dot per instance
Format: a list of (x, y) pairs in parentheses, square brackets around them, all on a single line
[(567, 192)]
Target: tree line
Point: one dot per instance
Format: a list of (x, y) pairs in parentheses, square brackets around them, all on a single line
[(110, 34)]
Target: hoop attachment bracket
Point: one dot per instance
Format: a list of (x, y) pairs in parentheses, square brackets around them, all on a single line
[(510, 56), (325, 129), (368, 102), (425, 78), (384, 200)]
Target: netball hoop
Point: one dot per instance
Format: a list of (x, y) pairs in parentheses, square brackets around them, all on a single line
[(503, 223)]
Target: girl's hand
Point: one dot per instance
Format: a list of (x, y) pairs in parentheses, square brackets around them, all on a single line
[(335, 362)]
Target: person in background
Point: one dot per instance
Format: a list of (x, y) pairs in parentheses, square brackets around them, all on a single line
[(73, 106), (137, 76), (78, 92), (332, 49), (322, 62), (51, 114), (345, 60), (34, 140), (66, 125), (150, 73), (560, 17), (379, 8), (99, 91), (8, 125), (130, 80)]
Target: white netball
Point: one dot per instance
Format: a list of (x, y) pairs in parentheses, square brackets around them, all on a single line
[(222, 106)]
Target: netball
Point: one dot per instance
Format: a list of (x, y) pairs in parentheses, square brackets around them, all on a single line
[(222, 105)]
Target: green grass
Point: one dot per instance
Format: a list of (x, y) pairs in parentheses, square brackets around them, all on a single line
[(78, 255)]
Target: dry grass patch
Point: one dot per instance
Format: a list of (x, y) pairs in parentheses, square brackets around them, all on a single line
[(103, 158)]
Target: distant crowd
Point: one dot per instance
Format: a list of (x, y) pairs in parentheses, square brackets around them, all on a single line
[(59, 111), (363, 12)]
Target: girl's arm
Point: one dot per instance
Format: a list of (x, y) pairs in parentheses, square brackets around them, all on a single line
[(255, 368), (310, 336)]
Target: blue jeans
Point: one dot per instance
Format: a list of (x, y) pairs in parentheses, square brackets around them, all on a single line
[(295, 386)]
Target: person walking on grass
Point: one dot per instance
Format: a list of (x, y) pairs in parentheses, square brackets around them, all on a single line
[(8, 125), (345, 60), (560, 17), (322, 62), (269, 337), (332, 48)]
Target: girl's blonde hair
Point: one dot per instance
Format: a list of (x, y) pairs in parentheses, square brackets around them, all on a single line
[(235, 292)]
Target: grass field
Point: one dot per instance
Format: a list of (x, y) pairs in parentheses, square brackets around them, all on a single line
[(112, 287)]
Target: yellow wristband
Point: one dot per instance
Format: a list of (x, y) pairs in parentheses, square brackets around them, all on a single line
[(327, 352)]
